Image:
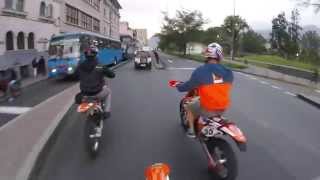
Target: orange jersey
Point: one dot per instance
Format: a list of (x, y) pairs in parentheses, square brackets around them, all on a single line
[(214, 83)]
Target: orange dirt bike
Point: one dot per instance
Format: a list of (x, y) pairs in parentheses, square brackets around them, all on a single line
[(93, 108), (211, 133), (159, 171)]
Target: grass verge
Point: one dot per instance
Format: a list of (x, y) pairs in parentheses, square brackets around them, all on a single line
[(277, 60), (199, 58)]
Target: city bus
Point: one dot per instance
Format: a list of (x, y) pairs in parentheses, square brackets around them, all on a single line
[(66, 51)]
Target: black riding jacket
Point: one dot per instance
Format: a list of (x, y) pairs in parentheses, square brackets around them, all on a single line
[(92, 76)]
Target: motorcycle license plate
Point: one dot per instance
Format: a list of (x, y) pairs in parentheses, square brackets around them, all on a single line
[(143, 65), (210, 131)]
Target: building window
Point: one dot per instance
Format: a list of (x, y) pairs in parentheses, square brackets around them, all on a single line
[(31, 41), (96, 25), (94, 3), (72, 15), (43, 9), (20, 40), (9, 41), (14, 4), (8, 4), (86, 21), (50, 11), (19, 5)]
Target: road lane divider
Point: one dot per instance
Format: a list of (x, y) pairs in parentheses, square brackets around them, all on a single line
[(318, 91), (276, 87), (290, 93), (183, 68), (264, 82), (14, 110)]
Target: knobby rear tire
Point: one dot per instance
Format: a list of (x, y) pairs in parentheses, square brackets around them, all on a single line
[(231, 163), (90, 126)]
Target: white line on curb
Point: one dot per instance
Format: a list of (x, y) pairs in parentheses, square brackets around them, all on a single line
[(253, 78), (14, 110), (318, 91), (170, 61), (263, 82), (247, 75), (275, 87), (289, 93)]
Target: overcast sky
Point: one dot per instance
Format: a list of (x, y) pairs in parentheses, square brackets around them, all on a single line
[(258, 13)]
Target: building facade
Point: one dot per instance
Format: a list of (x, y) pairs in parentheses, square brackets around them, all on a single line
[(142, 36), (28, 25)]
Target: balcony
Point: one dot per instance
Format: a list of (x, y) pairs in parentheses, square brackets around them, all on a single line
[(14, 13), (47, 19)]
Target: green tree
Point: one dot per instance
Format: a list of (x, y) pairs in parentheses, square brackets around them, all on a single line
[(280, 38), (233, 25), (308, 3), (310, 47), (252, 42), (180, 30), (294, 33)]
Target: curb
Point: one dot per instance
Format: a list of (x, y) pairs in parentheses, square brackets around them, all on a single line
[(267, 77), (309, 100)]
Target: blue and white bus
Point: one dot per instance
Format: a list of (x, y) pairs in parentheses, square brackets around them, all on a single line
[(66, 51)]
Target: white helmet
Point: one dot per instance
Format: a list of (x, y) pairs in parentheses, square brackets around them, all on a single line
[(214, 51)]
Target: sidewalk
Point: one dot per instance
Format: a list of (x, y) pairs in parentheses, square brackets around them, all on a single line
[(32, 80), (22, 139)]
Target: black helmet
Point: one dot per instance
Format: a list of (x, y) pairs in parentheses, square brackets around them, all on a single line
[(91, 51)]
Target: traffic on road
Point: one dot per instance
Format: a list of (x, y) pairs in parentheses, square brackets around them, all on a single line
[(159, 90)]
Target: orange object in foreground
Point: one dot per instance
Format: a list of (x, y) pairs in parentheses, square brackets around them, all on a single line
[(157, 171)]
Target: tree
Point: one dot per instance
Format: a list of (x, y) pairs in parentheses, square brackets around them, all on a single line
[(279, 35), (252, 42), (233, 25), (180, 30), (308, 3), (310, 47), (294, 33)]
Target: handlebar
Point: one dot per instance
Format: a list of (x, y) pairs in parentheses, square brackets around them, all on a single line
[(174, 83)]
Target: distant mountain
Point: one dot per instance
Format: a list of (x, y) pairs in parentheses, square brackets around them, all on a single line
[(266, 33), (311, 28)]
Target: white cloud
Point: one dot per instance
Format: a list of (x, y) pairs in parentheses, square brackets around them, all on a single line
[(258, 13)]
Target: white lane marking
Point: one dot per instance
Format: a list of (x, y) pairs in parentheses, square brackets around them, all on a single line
[(264, 82), (253, 78), (14, 110), (170, 61), (181, 68), (247, 75), (276, 87), (290, 93), (316, 178), (318, 91)]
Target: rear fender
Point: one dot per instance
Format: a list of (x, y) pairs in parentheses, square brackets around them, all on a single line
[(236, 134)]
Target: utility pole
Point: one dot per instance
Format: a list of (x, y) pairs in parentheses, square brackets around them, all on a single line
[(233, 31)]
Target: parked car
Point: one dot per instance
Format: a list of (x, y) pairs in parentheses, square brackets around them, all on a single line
[(142, 60)]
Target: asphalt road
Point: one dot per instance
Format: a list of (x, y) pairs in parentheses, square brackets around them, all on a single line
[(282, 131), (34, 95)]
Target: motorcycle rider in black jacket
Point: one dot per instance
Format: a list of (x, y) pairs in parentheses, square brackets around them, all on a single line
[(92, 81)]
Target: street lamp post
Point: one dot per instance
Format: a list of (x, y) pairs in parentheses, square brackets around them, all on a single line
[(233, 30)]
